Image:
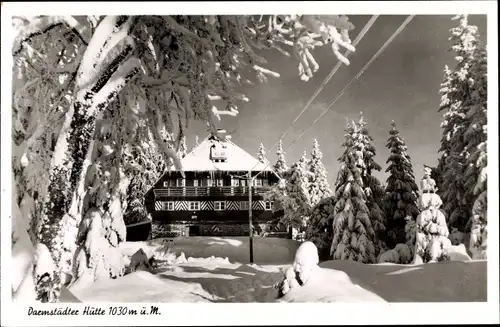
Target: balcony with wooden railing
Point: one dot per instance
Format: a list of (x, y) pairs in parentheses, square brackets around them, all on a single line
[(209, 191)]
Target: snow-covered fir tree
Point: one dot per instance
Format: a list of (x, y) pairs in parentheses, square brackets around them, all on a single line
[(457, 90), (401, 188), (320, 222), (277, 192), (319, 188), (296, 203), (374, 192), (353, 234), (476, 172), (69, 70), (479, 218), (280, 167), (261, 155)]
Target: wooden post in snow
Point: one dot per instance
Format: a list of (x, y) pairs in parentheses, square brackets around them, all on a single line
[(250, 182)]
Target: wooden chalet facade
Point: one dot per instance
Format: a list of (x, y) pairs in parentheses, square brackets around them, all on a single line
[(212, 200)]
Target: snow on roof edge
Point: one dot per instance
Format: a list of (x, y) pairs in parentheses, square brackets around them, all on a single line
[(268, 168)]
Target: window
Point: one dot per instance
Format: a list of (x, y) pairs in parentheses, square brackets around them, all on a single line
[(220, 205), (269, 205), (165, 184), (219, 182), (218, 152), (244, 205), (258, 183), (235, 182), (181, 182), (168, 206), (194, 205), (209, 182), (243, 183), (195, 182)]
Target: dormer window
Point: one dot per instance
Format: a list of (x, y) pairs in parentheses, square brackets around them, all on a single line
[(218, 152)]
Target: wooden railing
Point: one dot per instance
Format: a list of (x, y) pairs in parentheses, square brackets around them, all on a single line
[(208, 191)]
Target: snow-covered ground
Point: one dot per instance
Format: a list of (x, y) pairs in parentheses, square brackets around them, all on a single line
[(216, 269)]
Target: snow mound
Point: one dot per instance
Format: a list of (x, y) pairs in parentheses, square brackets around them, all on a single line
[(305, 281), (329, 285)]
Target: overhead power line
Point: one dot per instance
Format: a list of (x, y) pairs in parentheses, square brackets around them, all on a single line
[(358, 38), (365, 67)]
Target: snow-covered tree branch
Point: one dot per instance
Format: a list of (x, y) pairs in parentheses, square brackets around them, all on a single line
[(165, 70)]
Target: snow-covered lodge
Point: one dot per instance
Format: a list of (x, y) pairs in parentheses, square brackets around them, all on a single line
[(213, 197)]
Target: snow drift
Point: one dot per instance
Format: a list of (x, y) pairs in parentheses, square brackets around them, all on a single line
[(215, 270)]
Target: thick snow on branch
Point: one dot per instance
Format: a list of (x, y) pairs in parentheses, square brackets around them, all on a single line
[(266, 71), (217, 113), (106, 36), (117, 82)]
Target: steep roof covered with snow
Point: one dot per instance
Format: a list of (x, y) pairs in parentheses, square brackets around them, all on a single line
[(199, 159)]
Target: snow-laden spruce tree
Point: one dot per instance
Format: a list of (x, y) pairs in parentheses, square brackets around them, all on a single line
[(319, 192), (476, 172), (479, 218), (401, 189), (277, 192), (280, 167), (319, 188), (261, 155), (353, 234), (297, 204), (456, 91), (373, 189), (162, 70)]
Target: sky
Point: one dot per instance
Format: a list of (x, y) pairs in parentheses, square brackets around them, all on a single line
[(401, 85)]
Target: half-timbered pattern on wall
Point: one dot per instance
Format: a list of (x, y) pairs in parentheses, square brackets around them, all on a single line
[(213, 197)]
